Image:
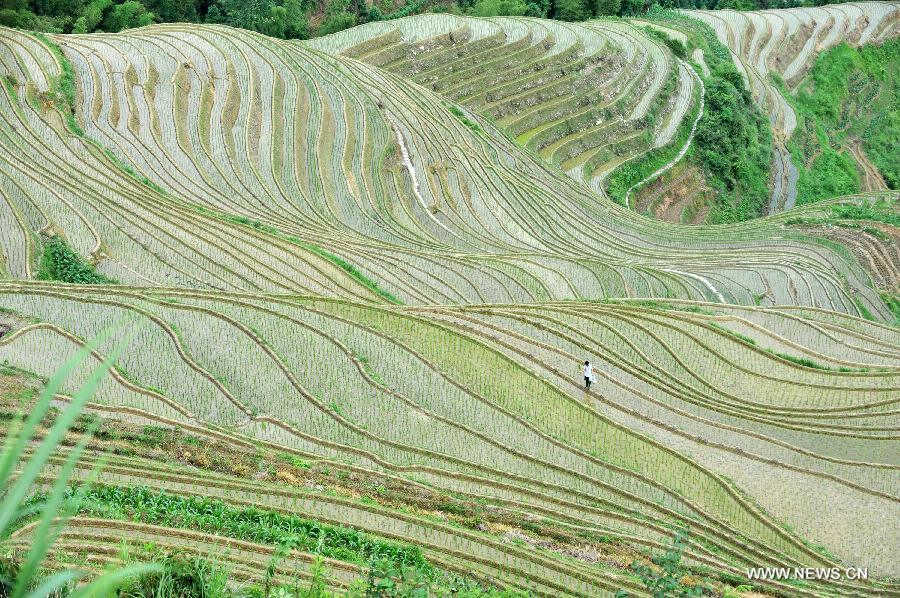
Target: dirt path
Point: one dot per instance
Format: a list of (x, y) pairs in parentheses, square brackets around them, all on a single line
[(871, 177)]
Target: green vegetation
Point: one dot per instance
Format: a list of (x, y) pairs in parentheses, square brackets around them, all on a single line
[(343, 264), (848, 97), (634, 171), (893, 303), (62, 93), (676, 45), (879, 210), (466, 441), (22, 460), (76, 270), (667, 582), (253, 525), (393, 570), (181, 576), (337, 17), (60, 263), (474, 126), (733, 142), (289, 19), (187, 576)]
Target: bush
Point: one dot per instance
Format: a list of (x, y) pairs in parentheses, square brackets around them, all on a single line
[(127, 15), (668, 582), (849, 96), (570, 10), (677, 47), (733, 144), (59, 262), (181, 576)]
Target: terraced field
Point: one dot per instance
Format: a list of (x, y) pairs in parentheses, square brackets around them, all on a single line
[(785, 43), (584, 96), (359, 276)]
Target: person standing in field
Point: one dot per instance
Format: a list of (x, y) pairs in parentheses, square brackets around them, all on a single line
[(588, 375)]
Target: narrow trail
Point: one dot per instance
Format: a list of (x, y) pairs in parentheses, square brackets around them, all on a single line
[(784, 181), (687, 144), (404, 154), (872, 179), (700, 279)]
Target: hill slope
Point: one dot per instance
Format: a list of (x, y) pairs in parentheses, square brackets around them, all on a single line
[(374, 306), (263, 156), (785, 43)]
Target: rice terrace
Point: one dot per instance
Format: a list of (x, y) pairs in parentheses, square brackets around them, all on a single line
[(476, 298)]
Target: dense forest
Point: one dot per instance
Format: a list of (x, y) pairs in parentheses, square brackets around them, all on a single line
[(293, 19)]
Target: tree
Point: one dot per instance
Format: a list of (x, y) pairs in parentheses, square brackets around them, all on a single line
[(275, 24), (570, 10), (14, 5), (128, 15), (245, 14), (634, 7), (495, 8), (91, 16), (538, 8), (68, 8), (296, 23), (337, 18), (174, 11), (214, 15), (607, 7)]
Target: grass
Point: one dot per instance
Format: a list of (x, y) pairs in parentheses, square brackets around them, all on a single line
[(630, 173), (733, 142), (182, 575), (499, 381), (64, 99), (59, 262), (23, 574), (893, 302), (62, 94), (877, 210), (338, 261), (849, 94), (461, 116), (250, 524)]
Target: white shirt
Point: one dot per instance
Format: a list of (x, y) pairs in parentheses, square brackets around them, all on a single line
[(588, 371)]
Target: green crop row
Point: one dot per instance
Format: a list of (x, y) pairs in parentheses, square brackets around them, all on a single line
[(144, 505), (340, 262)]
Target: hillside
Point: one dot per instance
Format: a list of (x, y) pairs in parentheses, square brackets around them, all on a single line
[(356, 279), (604, 97), (785, 44), (349, 161)]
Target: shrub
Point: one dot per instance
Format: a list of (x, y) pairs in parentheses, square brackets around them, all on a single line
[(179, 576), (60, 263), (666, 583)]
